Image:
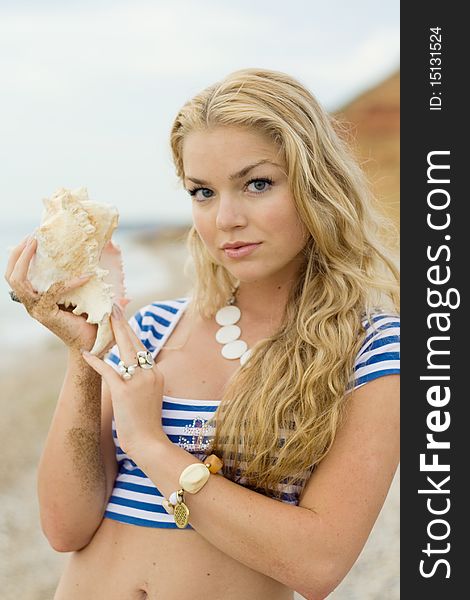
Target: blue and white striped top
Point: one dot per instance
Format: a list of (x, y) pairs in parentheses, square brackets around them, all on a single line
[(135, 499)]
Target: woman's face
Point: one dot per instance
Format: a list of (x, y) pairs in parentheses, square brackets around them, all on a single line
[(239, 192)]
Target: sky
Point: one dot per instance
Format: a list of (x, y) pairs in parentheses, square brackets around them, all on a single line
[(89, 90)]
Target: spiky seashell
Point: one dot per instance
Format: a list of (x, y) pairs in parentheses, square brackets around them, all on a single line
[(74, 239)]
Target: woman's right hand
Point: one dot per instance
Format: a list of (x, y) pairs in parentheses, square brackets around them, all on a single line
[(72, 329)]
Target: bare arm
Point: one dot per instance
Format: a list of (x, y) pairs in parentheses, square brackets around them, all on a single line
[(309, 547), (77, 466)]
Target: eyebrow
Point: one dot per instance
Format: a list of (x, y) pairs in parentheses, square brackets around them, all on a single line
[(240, 174)]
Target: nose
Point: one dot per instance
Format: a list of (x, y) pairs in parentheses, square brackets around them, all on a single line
[(230, 213)]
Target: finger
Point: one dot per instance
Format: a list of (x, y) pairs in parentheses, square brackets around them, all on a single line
[(106, 371), (137, 344), (123, 302), (64, 287), (127, 351), (15, 254), (58, 290), (18, 278), (134, 339), (76, 282), (26, 294), (20, 270)]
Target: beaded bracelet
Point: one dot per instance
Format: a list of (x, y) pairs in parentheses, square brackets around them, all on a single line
[(214, 463), (191, 480)]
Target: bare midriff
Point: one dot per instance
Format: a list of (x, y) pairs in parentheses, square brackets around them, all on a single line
[(126, 562)]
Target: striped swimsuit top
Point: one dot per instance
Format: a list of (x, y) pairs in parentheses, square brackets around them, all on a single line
[(135, 499)]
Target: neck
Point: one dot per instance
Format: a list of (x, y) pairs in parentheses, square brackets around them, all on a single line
[(263, 302)]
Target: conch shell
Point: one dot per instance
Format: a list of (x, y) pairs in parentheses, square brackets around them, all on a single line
[(74, 239)]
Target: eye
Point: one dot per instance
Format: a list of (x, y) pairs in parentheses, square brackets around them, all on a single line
[(261, 184), (194, 193)]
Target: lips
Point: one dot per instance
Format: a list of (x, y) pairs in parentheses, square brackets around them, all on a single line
[(241, 250), (238, 244)]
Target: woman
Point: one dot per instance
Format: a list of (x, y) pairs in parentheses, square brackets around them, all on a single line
[(304, 415)]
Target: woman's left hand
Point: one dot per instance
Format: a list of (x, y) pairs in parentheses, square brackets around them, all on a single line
[(137, 402)]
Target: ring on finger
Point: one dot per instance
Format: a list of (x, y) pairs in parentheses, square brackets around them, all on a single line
[(145, 359), (126, 371), (13, 296)]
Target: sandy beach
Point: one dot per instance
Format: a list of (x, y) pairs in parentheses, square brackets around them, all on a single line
[(29, 568)]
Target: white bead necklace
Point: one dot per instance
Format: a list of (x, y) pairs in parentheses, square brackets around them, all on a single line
[(229, 333)]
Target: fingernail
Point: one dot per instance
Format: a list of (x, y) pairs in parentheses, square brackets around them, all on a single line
[(117, 312), (85, 276), (84, 352), (30, 240)]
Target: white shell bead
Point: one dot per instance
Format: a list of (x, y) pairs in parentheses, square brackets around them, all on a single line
[(228, 315), (234, 349), (228, 333), (169, 509), (173, 499), (245, 356)]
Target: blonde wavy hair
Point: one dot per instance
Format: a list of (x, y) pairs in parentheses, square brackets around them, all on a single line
[(280, 412)]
